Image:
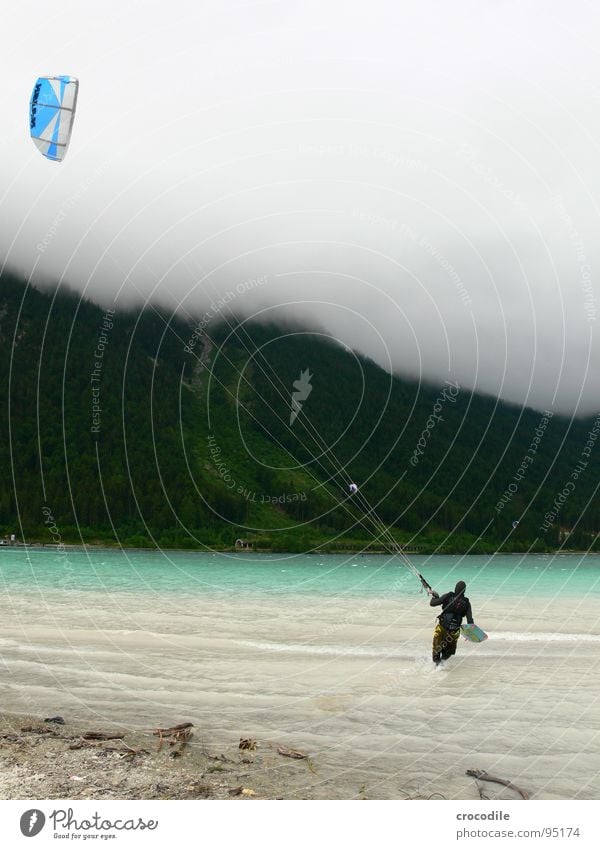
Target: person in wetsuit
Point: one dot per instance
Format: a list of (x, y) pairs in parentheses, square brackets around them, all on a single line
[(455, 606)]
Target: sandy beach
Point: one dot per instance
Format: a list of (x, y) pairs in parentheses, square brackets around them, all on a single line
[(43, 760)]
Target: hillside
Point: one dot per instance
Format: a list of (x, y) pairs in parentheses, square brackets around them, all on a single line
[(135, 428)]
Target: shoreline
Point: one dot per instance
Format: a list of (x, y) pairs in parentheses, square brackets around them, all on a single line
[(45, 760), (82, 546), (41, 760), (103, 546)]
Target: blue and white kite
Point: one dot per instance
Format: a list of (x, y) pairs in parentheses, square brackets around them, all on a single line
[(51, 114)]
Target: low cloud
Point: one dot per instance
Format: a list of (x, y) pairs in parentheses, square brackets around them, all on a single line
[(392, 176)]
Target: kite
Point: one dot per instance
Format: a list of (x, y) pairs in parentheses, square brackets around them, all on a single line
[(51, 114)]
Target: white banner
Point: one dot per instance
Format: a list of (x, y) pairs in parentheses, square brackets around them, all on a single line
[(250, 823)]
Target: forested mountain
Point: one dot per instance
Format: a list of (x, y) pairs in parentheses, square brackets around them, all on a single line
[(140, 428)]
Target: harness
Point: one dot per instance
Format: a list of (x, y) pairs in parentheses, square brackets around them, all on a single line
[(453, 612)]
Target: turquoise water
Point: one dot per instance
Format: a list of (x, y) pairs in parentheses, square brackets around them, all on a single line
[(183, 573)]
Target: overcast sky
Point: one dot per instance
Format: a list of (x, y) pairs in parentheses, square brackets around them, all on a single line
[(420, 178)]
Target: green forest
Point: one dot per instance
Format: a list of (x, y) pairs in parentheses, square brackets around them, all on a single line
[(138, 428)]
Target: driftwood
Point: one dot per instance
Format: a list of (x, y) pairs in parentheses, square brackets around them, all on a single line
[(132, 752), (290, 753), (178, 733), (236, 791), (82, 743), (482, 775), (101, 735)]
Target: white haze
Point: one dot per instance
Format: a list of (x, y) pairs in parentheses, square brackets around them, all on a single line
[(419, 178)]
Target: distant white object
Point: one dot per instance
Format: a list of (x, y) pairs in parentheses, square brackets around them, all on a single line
[(302, 389), (515, 523), (353, 489)]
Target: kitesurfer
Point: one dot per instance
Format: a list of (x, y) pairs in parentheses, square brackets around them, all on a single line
[(455, 606)]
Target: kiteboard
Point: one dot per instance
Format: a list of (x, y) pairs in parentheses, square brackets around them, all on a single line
[(473, 633)]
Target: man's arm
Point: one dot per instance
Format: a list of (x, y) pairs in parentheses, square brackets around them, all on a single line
[(436, 599), (470, 615)]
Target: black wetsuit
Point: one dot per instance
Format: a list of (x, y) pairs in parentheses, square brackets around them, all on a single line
[(454, 609), (455, 606)]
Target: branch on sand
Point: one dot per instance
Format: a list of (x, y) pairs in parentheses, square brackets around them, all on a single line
[(290, 753), (102, 735), (482, 775)]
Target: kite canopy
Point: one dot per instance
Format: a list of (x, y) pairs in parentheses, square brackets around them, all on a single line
[(51, 114)]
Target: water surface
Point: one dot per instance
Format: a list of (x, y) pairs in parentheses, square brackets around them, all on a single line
[(326, 653)]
